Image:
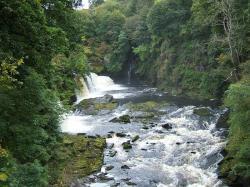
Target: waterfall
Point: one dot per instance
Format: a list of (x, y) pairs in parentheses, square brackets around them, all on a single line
[(93, 85), (83, 90)]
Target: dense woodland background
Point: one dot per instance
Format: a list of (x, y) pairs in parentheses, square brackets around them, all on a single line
[(198, 48)]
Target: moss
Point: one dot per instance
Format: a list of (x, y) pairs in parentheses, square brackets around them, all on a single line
[(147, 106), (79, 156), (127, 145), (202, 112), (105, 106), (122, 119)]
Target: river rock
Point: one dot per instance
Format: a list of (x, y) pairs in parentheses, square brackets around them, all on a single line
[(222, 121), (125, 167), (129, 183), (112, 153), (104, 177), (121, 135), (110, 146), (108, 168), (134, 139), (203, 112), (126, 145), (94, 105), (167, 126), (122, 119), (145, 127)]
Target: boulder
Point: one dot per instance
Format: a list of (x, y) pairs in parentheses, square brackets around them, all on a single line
[(112, 153), (122, 119), (203, 112), (94, 105), (121, 135), (108, 168), (135, 138), (126, 145), (167, 126), (125, 167)]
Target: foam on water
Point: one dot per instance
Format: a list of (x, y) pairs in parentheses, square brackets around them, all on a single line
[(93, 85), (185, 155)]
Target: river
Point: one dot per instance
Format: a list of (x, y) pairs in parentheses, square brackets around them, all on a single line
[(173, 147)]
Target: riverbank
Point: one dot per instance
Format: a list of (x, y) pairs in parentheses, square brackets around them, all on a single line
[(78, 157)]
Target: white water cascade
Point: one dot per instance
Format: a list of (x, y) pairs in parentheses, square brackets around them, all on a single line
[(93, 85)]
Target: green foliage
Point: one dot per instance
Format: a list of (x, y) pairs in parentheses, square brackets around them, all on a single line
[(166, 17), (238, 99), (32, 34), (30, 174)]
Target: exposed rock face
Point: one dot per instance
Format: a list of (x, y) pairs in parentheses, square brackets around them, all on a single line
[(94, 105)]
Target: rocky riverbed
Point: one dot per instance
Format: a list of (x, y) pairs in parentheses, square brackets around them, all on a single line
[(152, 140)]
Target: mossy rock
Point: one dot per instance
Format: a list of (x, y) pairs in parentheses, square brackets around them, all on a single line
[(83, 157), (105, 106), (127, 145), (203, 112), (94, 105), (135, 138), (122, 119), (147, 106)]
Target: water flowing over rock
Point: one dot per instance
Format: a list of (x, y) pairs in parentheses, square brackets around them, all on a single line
[(93, 85), (179, 145)]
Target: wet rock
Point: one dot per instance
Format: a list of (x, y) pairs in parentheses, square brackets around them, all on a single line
[(145, 127), (104, 177), (222, 121), (144, 149), (134, 139), (115, 185), (178, 143), (167, 126), (110, 146), (121, 135), (91, 136), (112, 153), (72, 99), (193, 152), (159, 131), (95, 105), (126, 180), (108, 168), (203, 112), (81, 134), (122, 119), (127, 145), (111, 132), (125, 167), (107, 98), (109, 136), (146, 115), (131, 183)]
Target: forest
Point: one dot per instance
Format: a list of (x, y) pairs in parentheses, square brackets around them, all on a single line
[(194, 48)]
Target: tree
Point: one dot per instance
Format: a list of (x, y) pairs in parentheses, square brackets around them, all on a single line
[(95, 3)]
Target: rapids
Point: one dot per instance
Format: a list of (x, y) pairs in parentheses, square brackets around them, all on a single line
[(187, 154)]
